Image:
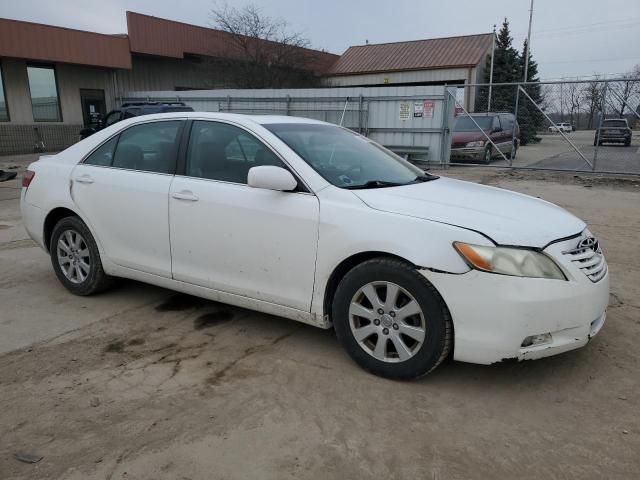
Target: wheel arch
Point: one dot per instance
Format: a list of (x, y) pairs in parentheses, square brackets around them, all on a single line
[(352, 261), (343, 267), (50, 221)]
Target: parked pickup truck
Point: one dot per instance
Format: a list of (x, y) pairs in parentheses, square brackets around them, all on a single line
[(613, 130)]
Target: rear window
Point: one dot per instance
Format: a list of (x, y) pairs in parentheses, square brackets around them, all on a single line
[(615, 123)]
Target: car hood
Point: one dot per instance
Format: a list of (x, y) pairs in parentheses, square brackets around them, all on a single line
[(508, 218)]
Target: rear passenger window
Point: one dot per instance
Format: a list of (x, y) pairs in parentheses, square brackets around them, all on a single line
[(149, 147), (103, 156), (219, 151)]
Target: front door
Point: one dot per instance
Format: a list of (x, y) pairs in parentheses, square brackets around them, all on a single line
[(122, 190), (93, 103), (234, 238)]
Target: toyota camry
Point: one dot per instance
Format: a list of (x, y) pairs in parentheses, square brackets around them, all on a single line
[(313, 222)]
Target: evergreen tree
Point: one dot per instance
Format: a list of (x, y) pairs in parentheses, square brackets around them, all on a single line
[(529, 117), (506, 68)]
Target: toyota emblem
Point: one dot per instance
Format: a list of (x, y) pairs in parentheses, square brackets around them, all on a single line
[(589, 242)]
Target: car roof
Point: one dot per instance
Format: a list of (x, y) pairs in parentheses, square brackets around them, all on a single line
[(237, 117)]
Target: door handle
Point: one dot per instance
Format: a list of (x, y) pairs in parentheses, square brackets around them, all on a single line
[(84, 179), (185, 195)]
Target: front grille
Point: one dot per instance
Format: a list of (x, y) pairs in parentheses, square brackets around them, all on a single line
[(589, 259)]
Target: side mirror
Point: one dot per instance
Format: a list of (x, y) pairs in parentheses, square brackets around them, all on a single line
[(271, 178)]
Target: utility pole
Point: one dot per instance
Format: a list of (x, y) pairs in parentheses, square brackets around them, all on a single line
[(493, 51), (526, 58), (526, 72)]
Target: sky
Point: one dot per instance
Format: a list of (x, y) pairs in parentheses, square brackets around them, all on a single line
[(569, 37)]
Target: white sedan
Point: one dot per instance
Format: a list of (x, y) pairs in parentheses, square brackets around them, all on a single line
[(312, 222)]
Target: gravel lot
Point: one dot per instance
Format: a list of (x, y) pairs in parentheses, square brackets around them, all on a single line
[(141, 383)]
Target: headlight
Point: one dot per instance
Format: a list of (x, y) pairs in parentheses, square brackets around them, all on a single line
[(479, 143), (519, 262)]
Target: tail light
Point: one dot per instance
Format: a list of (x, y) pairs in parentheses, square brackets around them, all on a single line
[(28, 178)]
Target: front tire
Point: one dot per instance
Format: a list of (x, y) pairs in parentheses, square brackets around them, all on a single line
[(76, 259), (486, 157), (391, 320)]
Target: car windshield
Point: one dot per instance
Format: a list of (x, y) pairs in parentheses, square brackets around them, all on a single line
[(346, 159), (465, 124), (615, 123)]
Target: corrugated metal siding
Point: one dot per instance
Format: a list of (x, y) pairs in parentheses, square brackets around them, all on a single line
[(443, 75), (466, 51), (375, 114), (56, 44), (158, 36)]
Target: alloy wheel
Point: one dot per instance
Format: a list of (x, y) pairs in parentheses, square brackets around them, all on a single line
[(387, 322), (73, 256)]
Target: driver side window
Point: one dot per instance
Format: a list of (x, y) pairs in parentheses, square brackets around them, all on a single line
[(218, 151)]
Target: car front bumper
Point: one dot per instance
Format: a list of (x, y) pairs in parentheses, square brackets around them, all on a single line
[(467, 153), (493, 314)]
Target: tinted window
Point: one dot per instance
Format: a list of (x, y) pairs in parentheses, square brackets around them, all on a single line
[(496, 123), (44, 94), (103, 156), (223, 152), (149, 147), (615, 123), (507, 122)]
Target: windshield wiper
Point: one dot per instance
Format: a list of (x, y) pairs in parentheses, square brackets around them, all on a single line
[(426, 178), (374, 184)]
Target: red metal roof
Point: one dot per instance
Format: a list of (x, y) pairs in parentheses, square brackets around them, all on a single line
[(451, 52), (158, 36), (35, 41)]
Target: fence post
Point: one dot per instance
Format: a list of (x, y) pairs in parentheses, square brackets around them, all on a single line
[(228, 103), (288, 105), (515, 115), (602, 114), (360, 114)]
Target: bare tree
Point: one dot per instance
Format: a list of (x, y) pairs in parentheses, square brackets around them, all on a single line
[(624, 92), (264, 51), (593, 98), (575, 98)]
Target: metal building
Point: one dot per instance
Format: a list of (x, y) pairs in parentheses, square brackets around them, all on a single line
[(53, 78), (438, 61)]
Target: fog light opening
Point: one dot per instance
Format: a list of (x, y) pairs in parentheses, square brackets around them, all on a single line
[(535, 340)]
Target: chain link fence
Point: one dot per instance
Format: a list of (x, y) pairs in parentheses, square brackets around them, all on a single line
[(582, 126)]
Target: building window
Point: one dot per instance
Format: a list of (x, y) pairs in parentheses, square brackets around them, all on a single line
[(4, 110), (44, 94)]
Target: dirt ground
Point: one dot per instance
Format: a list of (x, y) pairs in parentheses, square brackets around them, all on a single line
[(141, 383)]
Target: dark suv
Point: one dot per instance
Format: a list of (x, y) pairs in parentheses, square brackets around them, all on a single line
[(613, 130), (128, 110), (468, 142)]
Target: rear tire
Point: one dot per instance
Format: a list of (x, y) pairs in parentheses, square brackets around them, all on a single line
[(76, 259), (397, 344)]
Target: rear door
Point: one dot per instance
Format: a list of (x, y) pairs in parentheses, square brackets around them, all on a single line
[(122, 190)]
